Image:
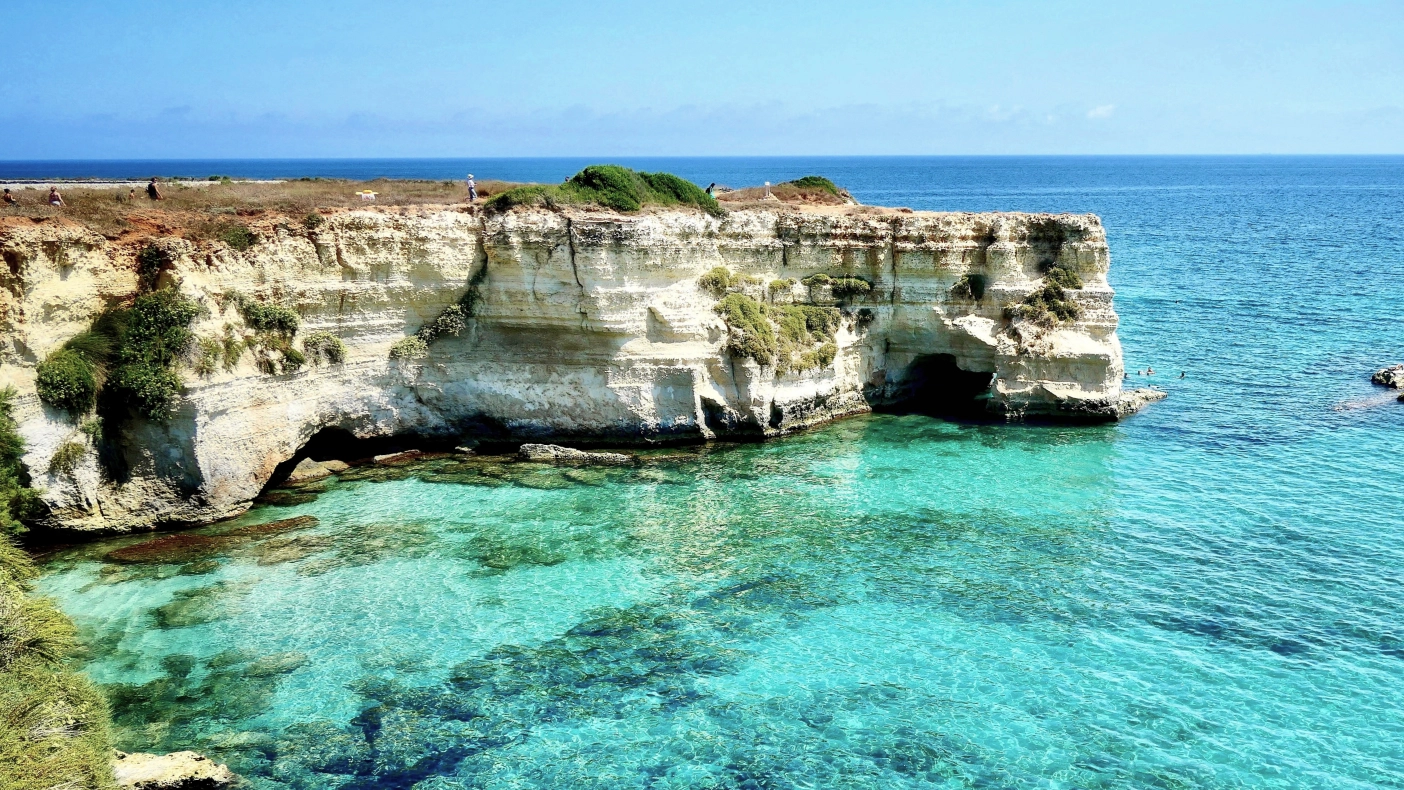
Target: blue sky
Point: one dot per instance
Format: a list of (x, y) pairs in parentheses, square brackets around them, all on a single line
[(289, 79)]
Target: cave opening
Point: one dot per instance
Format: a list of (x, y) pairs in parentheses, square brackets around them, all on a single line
[(936, 385)]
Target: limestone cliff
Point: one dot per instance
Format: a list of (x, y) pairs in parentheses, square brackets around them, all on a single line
[(584, 323)]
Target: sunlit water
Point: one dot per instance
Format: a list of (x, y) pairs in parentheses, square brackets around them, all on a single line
[(1207, 595)]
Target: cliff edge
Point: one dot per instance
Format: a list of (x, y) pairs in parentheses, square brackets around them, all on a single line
[(666, 324)]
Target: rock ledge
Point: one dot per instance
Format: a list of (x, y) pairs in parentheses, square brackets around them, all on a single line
[(554, 453)]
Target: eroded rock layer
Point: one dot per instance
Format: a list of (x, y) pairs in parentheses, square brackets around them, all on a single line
[(583, 324)]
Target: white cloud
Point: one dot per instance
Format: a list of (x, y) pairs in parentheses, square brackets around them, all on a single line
[(1102, 111)]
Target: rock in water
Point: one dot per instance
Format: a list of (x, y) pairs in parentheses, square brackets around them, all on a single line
[(554, 453), (1392, 376), (306, 471), (176, 771)]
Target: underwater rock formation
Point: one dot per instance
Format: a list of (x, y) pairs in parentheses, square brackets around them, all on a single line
[(176, 771), (1392, 376), (665, 325)]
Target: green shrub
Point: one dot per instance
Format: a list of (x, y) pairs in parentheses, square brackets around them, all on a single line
[(1064, 277), (151, 261), (237, 236), (716, 281), (262, 317), (801, 326), (611, 186), (452, 320), (778, 287), (232, 348), (66, 458), (67, 380), (92, 428), (324, 345), (313, 220), (18, 502), (816, 280), (1050, 304), (155, 334), (849, 287), (969, 286), (816, 182), (412, 347), (207, 358), (749, 331)]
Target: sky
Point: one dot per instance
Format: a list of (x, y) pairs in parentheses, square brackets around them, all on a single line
[(255, 79)]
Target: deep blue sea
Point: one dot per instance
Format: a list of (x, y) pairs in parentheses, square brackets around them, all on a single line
[(1207, 595)]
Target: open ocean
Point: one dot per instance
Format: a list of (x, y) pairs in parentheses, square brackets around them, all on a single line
[(1208, 595)]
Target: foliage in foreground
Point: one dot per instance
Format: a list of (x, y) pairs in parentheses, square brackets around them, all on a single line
[(53, 722), (611, 186)]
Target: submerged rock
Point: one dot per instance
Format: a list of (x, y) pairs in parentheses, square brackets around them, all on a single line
[(176, 771), (554, 453), (1392, 376), (398, 458)]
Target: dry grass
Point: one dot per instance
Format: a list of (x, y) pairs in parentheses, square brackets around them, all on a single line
[(211, 206), (786, 193)]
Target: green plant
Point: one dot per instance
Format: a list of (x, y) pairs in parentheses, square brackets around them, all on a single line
[(848, 287), (207, 359), (778, 287), (156, 332), (1050, 304), (716, 281), (611, 186), (67, 457), (18, 502), (151, 261), (816, 182), (969, 286), (452, 320), (412, 347), (262, 317), (1063, 277), (67, 380), (237, 236), (232, 348), (319, 345), (92, 428), (313, 220), (749, 331), (816, 280)]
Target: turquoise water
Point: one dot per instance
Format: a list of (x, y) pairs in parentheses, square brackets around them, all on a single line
[(1207, 595)]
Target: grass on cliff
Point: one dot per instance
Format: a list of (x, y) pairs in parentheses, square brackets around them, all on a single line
[(610, 186), (790, 337), (53, 721)]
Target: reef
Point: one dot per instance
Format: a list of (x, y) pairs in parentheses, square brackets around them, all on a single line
[(573, 323)]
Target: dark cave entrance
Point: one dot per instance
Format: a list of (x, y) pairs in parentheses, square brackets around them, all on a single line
[(937, 386)]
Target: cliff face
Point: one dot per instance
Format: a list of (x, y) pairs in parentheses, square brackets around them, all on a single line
[(584, 323)]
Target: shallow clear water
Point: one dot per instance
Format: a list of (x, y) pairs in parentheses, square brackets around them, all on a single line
[(1206, 595)]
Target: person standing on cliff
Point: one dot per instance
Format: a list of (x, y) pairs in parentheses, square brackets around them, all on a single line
[(55, 199), (472, 190), (152, 191)]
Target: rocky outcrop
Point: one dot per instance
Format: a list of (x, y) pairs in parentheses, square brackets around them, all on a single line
[(176, 771), (1392, 376), (584, 323)]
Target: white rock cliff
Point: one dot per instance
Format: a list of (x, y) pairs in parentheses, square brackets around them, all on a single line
[(588, 324)]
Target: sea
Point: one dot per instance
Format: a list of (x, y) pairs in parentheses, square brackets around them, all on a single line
[(1209, 594)]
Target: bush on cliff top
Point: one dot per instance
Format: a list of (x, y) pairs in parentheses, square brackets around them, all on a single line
[(611, 186)]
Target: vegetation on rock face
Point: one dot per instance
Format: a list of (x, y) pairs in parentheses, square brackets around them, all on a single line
[(783, 336), (151, 261), (611, 186), (716, 281), (53, 723), (237, 236), (67, 380), (842, 287), (262, 317), (412, 347), (324, 345), (128, 354), (66, 458), (969, 286), (18, 503), (1050, 304)]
